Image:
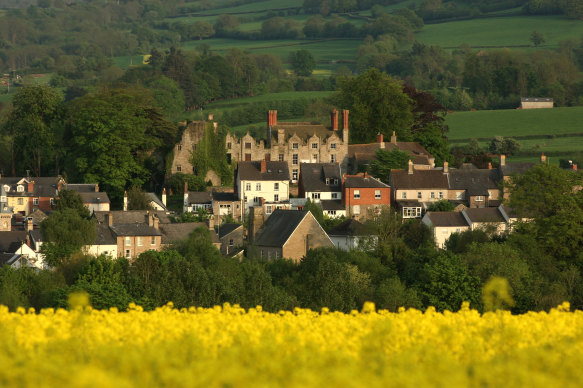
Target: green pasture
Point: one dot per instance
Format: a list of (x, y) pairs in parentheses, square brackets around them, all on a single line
[(501, 32), (257, 6), (127, 61), (514, 122)]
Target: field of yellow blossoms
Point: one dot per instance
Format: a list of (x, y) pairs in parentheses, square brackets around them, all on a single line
[(229, 346)]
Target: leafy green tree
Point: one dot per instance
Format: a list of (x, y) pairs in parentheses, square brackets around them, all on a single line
[(302, 62), (385, 161), (137, 199), (377, 104), (70, 199), (392, 294), (447, 283), (33, 124), (441, 206), (537, 38), (503, 146), (65, 232)]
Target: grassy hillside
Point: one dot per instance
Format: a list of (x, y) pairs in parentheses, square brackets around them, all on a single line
[(288, 96), (501, 32)]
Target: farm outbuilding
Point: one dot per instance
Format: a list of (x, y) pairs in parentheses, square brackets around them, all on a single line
[(536, 102)]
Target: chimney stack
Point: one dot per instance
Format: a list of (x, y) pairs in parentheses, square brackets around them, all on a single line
[(445, 167), (394, 138), (334, 120), (97, 187), (30, 187), (156, 222), (210, 116), (574, 167), (410, 167), (109, 219), (489, 165), (379, 137), (125, 201), (543, 158), (164, 196), (149, 218), (256, 220), (345, 113), (185, 200), (263, 166), (29, 224), (502, 160), (272, 118)]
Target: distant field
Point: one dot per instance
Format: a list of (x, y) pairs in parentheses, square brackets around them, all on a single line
[(258, 6), (501, 32), (127, 61), (287, 96)]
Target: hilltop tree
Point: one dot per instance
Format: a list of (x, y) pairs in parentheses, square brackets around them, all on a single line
[(302, 62), (537, 38)]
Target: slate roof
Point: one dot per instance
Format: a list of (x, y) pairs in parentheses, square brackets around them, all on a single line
[(81, 187), (175, 232), (486, 214), (131, 216), (11, 241), (332, 204), (420, 179), (93, 197), (350, 227), (226, 229), (279, 227), (221, 196), (5, 258), (516, 168), (475, 181), (536, 99), (199, 197), (314, 175), (104, 235), (152, 197), (352, 181), (303, 130), (43, 186), (251, 171), (135, 230), (445, 219), (364, 153)]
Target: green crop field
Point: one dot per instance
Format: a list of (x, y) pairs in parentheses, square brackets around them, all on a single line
[(257, 6), (501, 32), (286, 96)]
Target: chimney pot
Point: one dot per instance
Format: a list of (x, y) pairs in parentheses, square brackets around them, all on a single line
[(379, 137), (210, 116), (125, 201), (543, 158), (574, 167), (263, 166), (334, 120), (345, 113), (502, 160), (394, 138), (445, 167), (410, 167)]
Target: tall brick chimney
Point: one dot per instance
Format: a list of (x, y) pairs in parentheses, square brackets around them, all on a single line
[(334, 120), (410, 171), (345, 118), (394, 138), (256, 220), (379, 137), (125, 201), (30, 187), (164, 196), (263, 166), (272, 118), (445, 167)]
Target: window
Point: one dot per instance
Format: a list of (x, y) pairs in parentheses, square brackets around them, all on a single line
[(280, 158), (257, 186), (179, 147), (276, 186), (6, 188), (3, 198), (247, 146), (334, 195), (20, 201), (432, 195), (377, 194), (229, 145), (441, 194), (248, 186), (315, 195), (231, 242), (128, 254), (128, 241), (140, 242), (332, 158), (275, 197), (20, 188), (153, 240), (268, 209), (229, 158), (178, 168), (457, 230), (294, 175), (411, 212), (315, 158), (277, 254), (459, 195), (256, 199), (419, 196), (35, 201), (295, 146), (356, 194), (333, 146), (404, 195), (295, 159), (331, 212), (479, 198), (314, 146)]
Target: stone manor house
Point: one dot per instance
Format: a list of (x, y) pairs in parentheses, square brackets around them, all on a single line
[(290, 142)]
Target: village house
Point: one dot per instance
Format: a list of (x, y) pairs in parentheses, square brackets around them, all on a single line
[(444, 224), (352, 234), (413, 189), (92, 198), (289, 234), (320, 181), (26, 194), (231, 238), (172, 233), (364, 194), (474, 187), (294, 143), (262, 183), (361, 155)]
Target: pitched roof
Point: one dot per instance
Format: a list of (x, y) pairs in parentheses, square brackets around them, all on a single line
[(43, 186), (486, 214), (152, 197), (475, 181), (332, 204), (221, 196), (104, 235), (226, 229), (131, 216), (180, 231), (251, 171), (303, 130), (315, 175), (536, 99), (516, 168), (364, 153), (82, 187), (279, 227), (359, 181), (93, 197), (135, 230), (11, 241), (350, 227), (420, 179), (199, 197), (445, 219)]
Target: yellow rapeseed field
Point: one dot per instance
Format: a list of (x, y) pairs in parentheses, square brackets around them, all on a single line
[(228, 346)]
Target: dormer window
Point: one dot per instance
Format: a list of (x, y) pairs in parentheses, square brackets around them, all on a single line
[(20, 188), (6, 188), (314, 145), (333, 146)]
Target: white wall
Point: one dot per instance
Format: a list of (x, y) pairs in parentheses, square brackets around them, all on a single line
[(267, 191)]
